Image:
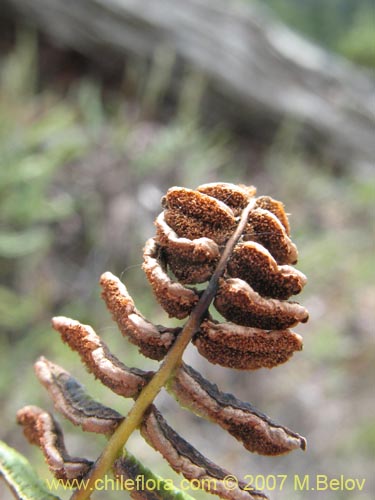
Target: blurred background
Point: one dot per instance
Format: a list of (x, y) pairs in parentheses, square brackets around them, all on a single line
[(106, 104)]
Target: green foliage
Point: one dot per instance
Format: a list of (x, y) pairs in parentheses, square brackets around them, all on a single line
[(21, 477), (345, 26), (37, 137), (365, 436), (359, 42), (164, 489), (24, 482), (184, 145)]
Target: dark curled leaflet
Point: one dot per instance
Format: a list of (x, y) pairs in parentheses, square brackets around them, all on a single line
[(41, 429), (254, 429), (185, 459)]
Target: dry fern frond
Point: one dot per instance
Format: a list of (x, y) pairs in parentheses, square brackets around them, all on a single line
[(240, 244)]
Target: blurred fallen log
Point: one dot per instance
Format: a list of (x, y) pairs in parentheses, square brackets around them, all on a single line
[(261, 70)]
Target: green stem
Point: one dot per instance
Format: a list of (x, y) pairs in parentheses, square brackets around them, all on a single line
[(171, 362)]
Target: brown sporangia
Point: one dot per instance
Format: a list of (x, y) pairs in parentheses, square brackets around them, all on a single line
[(94, 353), (275, 207), (245, 348), (193, 234), (41, 429), (267, 229), (192, 215), (254, 264), (177, 300), (153, 341), (238, 302), (191, 261), (236, 197)]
